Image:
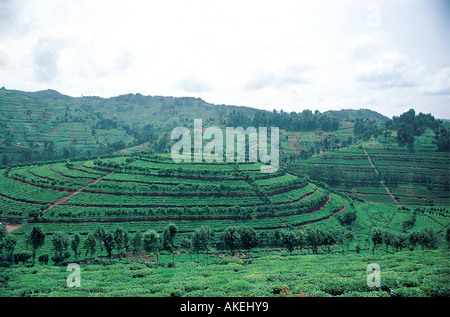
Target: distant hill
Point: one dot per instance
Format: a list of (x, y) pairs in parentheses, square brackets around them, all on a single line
[(37, 128), (143, 110), (351, 114), (47, 125), (46, 95)]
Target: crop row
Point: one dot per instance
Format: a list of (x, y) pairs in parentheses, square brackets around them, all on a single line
[(184, 166), (26, 192), (265, 223), (411, 164), (407, 154), (292, 195), (14, 209), (134, 188), (46, 172), (274, 180), (61, 169), (412, 170), (98, 199), (80, 165), (150, 179), (23, 174)]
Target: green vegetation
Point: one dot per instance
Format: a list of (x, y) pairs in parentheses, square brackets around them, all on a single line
[(403, 274), (94, 185)]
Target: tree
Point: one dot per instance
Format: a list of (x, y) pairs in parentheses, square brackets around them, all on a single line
[(168, 239), (249, 238), (108, 241), (126, 241), (201, 240), (413, 239), (328, 239), (90, 244), (23, 256), (447, 236), (75, 243), (99, 235), (9, 243), (313, 239), (348, 238), (43, 259), (398, 242), (405, 134), (3, 231), (289, 239), (377, 238), (427, 238), (186, 245), (37, 239), (231, 238), (387, 239), (441, 139), (150, 243), (301, 240), (338, 237), (60, 241), (119, 240), (136, 241)]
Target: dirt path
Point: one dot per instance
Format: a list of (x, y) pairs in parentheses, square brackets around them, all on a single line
[(12, 227), (371, 163), (63, 199), (381, 182)]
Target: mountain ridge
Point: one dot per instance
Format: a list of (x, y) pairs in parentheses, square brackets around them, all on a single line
[(50, 94)]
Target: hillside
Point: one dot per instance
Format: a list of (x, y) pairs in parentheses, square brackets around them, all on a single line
[(141, 110), (33, 130), (406, 273), (351, 114), (140, 224), (47, 125), (383, 176), (147, 190)]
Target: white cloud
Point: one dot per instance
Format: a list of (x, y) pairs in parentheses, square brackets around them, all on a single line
[(391, 69), (368, 45), (192, 85), (284, 54), (438, 84), (282, 77)]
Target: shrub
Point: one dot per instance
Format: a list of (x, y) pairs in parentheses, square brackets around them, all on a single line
[(43, 259)]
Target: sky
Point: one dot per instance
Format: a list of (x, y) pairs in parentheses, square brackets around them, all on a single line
[(388, 56)]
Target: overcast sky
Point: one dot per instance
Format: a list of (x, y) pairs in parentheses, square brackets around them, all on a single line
[(388, 56)]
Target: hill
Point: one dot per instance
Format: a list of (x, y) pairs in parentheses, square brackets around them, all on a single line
[(342, 187), (32, 130), (351, 114), (141, 110), (148, 190), (382, 176), (47, 125)]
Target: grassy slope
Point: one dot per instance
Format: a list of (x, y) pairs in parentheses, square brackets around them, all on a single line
[(407, 273), (31, 122)]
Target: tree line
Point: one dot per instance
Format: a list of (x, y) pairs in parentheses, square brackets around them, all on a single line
[(201, 241), (409, 125), (293, 121), (426, 238)]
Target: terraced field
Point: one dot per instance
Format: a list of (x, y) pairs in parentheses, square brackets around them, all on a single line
[(147, 192), (383, 176), (29, 124)]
